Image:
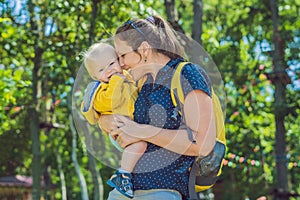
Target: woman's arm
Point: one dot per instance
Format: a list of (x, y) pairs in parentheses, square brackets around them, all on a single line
[(199, 117)]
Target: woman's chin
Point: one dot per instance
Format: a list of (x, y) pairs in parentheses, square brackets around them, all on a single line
[(133, 75)]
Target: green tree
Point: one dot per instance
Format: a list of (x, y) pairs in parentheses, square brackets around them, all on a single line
[(40, 56), (238, 35)]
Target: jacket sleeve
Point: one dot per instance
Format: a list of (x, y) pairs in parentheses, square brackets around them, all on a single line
[(109, 95)]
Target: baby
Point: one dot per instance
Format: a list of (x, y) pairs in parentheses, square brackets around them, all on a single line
[(112, 92)]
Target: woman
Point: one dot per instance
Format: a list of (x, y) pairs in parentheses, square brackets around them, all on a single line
[(148, 48)]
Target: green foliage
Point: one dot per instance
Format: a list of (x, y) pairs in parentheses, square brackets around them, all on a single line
[(15, 146), (238, 36)]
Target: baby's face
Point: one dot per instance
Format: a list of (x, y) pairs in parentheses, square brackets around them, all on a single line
[(107, 66)]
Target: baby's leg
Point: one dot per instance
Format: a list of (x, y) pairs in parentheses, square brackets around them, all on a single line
[(122, 179), (132, 154)]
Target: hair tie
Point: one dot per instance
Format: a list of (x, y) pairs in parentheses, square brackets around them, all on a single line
[(151, 19)]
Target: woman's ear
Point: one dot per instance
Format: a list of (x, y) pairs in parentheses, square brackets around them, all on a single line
[(145, 49)]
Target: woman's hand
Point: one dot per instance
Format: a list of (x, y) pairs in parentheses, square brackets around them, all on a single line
[(129, 132), (107, 123), (124, 139), (121, 128)]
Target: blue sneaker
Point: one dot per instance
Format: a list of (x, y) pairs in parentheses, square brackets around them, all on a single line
[(122, 182)]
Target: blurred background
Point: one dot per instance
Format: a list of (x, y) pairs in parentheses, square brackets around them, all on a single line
[(254, 43)]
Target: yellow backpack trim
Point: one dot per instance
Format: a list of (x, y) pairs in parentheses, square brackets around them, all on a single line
[(219, 118)]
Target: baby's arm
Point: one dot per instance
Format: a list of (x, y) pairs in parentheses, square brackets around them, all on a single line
[(109, 95), (132, 154)]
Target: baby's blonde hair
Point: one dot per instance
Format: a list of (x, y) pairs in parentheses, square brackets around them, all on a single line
[(95, 54)]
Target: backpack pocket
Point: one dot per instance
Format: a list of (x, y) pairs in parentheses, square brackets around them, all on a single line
[(210, 165)]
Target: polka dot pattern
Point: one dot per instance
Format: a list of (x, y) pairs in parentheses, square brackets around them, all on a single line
[(159, 168)]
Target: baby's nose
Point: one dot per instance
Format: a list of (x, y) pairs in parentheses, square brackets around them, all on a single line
[(117, 68)]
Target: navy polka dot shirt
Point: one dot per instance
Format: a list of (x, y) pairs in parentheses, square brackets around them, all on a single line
[(159, 168)]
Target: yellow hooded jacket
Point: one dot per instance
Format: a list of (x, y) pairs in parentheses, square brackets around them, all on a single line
[(115, 97)]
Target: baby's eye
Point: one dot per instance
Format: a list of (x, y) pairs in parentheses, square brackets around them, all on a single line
[(114, 62)]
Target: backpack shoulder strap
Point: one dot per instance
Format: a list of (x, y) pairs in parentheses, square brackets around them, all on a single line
[(219, 118), (177, 95), (176, 85)]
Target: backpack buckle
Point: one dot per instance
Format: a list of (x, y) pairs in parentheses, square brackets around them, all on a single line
[(175, 114)]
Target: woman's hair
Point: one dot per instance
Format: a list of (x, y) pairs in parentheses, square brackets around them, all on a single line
[(156, 31)]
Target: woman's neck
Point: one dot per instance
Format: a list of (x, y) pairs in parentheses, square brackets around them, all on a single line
[(156, 63)]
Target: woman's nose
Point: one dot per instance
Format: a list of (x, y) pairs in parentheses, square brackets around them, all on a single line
[(121, 61)]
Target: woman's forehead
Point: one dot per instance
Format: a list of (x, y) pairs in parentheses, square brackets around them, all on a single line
[(122, 47)]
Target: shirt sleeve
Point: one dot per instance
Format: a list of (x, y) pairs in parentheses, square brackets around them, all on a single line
[(194, 77)]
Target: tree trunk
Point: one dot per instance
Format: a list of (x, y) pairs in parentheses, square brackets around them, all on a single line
[(93, 21), (35, 130), (279, 106), (97, 180), (172, 14), (61, 176), (96, 177), (34, 111), (47, 182), (84, 191), (36, 152), (197, 24)]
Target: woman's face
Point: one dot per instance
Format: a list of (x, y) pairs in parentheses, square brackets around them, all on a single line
[(128, 58)]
